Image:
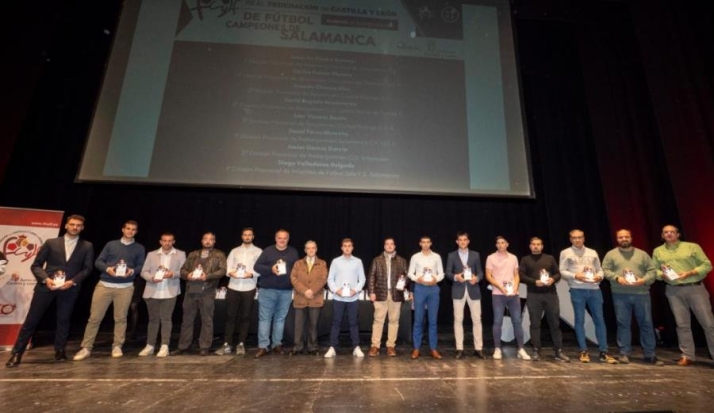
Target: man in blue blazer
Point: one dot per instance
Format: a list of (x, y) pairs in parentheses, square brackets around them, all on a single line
[(463, 268), (71, 258)]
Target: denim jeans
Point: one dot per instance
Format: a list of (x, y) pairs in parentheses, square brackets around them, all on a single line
[(273, 307), (696, 298), (581, 297), (499, 303), (425, 297), (641, 306)]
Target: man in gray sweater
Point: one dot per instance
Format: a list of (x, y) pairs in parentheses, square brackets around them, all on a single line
[(631, 272)]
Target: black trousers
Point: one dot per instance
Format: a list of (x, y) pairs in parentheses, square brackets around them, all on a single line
[(41, 300), (239, 308), (537, 304), (311, 315), (203, 303)]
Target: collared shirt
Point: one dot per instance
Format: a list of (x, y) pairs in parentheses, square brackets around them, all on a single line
[(503, 267), (69, 245), (346, 270), (464, 256), (682, 256), (166, 257), (246, 256), (126, 241)]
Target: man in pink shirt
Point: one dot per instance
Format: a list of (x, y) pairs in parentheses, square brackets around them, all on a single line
[(502, 273)]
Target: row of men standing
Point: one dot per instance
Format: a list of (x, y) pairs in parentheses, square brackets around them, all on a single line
[(279, 271)]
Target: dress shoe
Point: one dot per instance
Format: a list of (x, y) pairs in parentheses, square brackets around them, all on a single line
[(204, 352), (391, 352), (294, 352), (415, 354), (179, 352), (14, 360), (261, 352), (373, 351), (314, 352), (278, 350), (435, 354), (60, 355), (479, 354), (459, 354), (682, 361)]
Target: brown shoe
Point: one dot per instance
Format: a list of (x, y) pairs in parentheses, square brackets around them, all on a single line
[(391, 352), (415, 354), (373, 351), (261, 352), (278, 350), (435, 354), (685, 361)]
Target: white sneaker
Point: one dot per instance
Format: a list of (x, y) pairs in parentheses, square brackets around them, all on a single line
[(82, 354), (147, 351), (358, 352), (497, 355), (163, 351), (523, 355), (331, 353), (240, 349), (116, 352), (226, 349)]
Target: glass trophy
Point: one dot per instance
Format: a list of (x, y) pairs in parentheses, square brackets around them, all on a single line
[(345, 290), (196, 274), (221, 293), (544, 276), (240, 270), (508, 286), (589, 274), (670, 273), (282, 267), (406, 295), (427, 277), (468, 276), (58, 279), (401, 283), (160, 274), (630, 277), (120, 269)]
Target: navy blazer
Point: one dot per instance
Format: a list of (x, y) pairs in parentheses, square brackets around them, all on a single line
[(454, 266), (52, 253)]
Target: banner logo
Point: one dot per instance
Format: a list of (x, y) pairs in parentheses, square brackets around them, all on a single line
[(21, 244)]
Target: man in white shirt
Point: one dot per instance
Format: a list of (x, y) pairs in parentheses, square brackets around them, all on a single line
[(425, 270), (241, 293)]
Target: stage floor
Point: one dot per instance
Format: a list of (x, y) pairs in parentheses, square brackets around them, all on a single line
[(192, 383)]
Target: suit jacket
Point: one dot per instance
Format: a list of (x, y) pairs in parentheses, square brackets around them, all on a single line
[(314, 280), (51, 258), (454, 266), (152, 264)]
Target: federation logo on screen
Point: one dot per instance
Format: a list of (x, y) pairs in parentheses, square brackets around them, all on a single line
[(219, 7), (23, 244)]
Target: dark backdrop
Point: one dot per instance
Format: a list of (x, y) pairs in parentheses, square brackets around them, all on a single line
[(597, 118)]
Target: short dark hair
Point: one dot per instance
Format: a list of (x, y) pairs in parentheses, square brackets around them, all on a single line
[(462, 234), (247, 229), (208, 233), (344, 240), (536, 239), (75, 217), (388, 238), (131, 222), (167, 234), (424, 237), (501, 237)]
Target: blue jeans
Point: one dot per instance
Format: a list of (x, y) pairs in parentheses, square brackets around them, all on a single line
[(273, 307), (581, 297), (339, 308), (641, 306), (500, 302), (425, 296)]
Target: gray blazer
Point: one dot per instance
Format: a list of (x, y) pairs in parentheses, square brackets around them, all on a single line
[(152, 263)]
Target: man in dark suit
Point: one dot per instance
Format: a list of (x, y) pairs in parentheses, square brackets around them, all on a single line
[(463, 268), (69, 258)]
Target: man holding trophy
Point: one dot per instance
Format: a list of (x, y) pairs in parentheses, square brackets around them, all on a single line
[(502, 274), (345, 280), (426, 270), (274, 265), (202, 270), (59, 267), (162, 272), (683, 266), (463, 268), (241, 293), (120, 262)]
